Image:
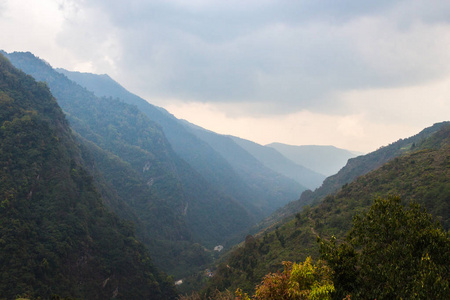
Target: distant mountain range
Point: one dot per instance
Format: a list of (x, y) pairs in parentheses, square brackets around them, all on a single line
[(274, 159), (326, 160)]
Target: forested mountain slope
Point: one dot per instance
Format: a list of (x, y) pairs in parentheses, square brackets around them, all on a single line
[(421, 176), (175, 205), (57, 237), (355, 167), (253, 185), (365, 163)]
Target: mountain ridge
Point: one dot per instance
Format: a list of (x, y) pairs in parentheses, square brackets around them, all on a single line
[(251, 170), (276, 161)]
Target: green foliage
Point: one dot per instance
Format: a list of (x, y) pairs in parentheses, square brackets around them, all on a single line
[(297, 281), (310, 281), (391, 253)]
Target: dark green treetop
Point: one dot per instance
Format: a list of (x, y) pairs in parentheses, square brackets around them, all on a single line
[(392, 252)]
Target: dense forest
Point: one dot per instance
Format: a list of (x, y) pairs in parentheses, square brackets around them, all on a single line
[(57, 237)]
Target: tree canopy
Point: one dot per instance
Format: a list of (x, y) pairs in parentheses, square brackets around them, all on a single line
[(392, 252)]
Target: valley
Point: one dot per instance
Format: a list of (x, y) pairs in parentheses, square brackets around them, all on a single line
[(104, 195)]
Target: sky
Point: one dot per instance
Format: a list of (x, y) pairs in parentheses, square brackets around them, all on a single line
[(354, 74)]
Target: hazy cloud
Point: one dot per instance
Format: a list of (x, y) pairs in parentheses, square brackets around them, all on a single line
[(279, 55)]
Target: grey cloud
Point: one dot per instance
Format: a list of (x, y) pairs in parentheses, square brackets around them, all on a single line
[(218, 20), (286, 54)]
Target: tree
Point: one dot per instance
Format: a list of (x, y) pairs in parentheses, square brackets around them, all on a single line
[(297, 281), (391, 252)]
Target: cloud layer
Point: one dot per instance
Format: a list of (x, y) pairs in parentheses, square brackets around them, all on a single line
[(253, 59), (289, 55)]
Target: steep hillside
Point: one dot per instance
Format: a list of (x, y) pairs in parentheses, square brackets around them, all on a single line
[(363, 164), (271, 189), (421, 176), (326, 160), (162, 229), (274, 160), (355, 167), (256, 188), (174, 204), (57, 237)]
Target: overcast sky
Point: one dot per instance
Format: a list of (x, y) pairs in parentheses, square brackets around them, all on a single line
[(354, 74)]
